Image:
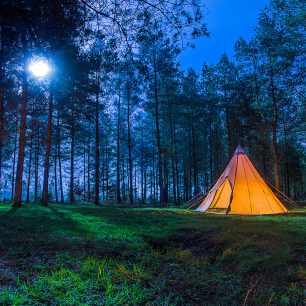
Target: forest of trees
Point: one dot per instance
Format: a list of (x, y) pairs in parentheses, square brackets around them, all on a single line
[(118, 121)]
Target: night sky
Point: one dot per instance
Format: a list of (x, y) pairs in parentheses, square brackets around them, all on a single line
[(226, 20)]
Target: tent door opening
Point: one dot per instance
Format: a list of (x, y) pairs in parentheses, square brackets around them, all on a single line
[(222, 198)]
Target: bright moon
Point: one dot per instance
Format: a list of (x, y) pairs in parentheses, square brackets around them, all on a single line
[(39, 68)]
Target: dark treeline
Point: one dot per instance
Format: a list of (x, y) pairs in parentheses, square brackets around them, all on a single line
[(118, 121)]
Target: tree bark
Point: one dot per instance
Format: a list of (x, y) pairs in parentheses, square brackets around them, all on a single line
[(166, 177), (229, 132), (194, 161), (97, 146), (22, 130), (145, 185), (14, 162), (55, 174), (84, 172), (162, 198), (210, 154), (45, 192), (190, 167), (118, 150), (71, 196), (142, 168), (123, 181), (178, 191), (29, 171), (153, 174), (88, 175), (274, 130), (186, 185), (103, 173), (135, 182), (59, 154), (170, 116), (287, 163), (107, 170), (129, 143), (36, 164)]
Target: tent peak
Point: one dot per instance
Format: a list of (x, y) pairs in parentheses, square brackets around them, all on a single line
[(239, 150)]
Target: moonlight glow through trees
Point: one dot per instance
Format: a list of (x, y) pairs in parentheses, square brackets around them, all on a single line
[(39, 68)]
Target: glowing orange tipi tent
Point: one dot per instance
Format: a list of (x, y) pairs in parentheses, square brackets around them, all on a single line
[(241, 190)]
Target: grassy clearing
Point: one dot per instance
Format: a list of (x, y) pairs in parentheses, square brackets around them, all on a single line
[(84, 255)]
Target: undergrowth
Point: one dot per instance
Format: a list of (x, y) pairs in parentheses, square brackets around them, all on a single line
[(86, 255)]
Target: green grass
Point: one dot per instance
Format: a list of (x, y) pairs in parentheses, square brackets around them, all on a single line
[(86, 255)]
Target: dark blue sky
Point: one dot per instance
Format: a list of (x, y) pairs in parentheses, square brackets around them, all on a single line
[(226, 20)]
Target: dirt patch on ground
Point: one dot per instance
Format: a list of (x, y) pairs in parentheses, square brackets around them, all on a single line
[(201, 243), (198, 242)]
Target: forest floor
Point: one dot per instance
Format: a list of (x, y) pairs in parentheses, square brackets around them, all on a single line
[(86, 255)]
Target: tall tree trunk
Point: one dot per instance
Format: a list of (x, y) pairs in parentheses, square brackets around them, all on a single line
[(103, 173), (301, 183), (88, 175), (206, 159), (190, 167), (71, 197), (166, 177), (14, 163), (194, 161), (162, 198), (145, 185), (170, 116), (186, 184), (216, 153), (84, 172), (151, 182), (274, 130), (229, 129), (135, 182), (97, 145), (59, 154), (107, 171), (22, 130), (118, 150), (142, 168), (153, 175), (123, 180), (210, 154), (287, 163), (29, 171), (178, 191), (36, 164), (263, 145), (45, 192), (55, 174), (229, 132), (174, 182), (129, 143)]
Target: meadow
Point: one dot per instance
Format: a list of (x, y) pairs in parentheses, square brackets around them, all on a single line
[(88, 255)]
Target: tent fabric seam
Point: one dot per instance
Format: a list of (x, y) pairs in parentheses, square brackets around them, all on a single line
[(262, 189), (247, 183), (232, 194)]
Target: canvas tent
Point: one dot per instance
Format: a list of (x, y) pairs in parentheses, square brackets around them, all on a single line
[(241, 190)]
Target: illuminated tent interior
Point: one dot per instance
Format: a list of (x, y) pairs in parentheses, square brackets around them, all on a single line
[(241, 190)]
